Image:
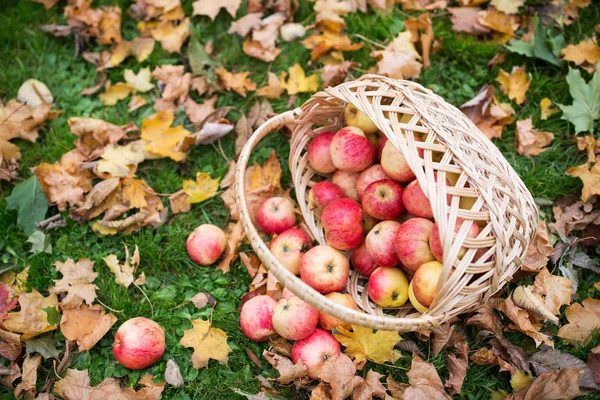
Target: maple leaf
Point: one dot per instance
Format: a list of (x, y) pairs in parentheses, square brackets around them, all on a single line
[(121, 160), (590, 144), (539, 250), (530, 142), (162, 139), (94, 135), (141, 48), (211, 8), (239, 82), (29, 199), (114, 93), (586, 101), (421, 31), (557, 290), (171, 35), (522, 322), (124, 272), (26, 389), (330, 13), (333, 75), (457, 367), (589, 173), (400, 59), (466, 19), (586, 53), (44, 345), (197, 113), (507, 6), (295, 81), (261, 44), (76, 282), (328, 41), (490, 116), (515, 84), (246, 24), (371, 387), (546, 109), (362, 344), (176, 85), (485, 356), (203, 188), (207, 342), (140, 81), (136, 102), (563, 384), (575, 216), (62, 187), (235, 235), (499, 22), (288, 371), (425, 382), (583, 320), (34, 317), (340, 373), (17, 283), (273, 90), (86, 325), (10, 345)]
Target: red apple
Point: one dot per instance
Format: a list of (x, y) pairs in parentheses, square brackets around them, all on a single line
[(379, 148), (256, 318), (373, 174), (425, 283), (362, 260), (411, 297), (416, 202), (294, 319), (342, 222), (394, 163), (412, 244), (383, 199), (324, 269), (139, 343), (206, 244), (276, 215), (351, 151), (354, 117), (388, 287), (314, 351), (289, 246), (347, 181), (380, 243), (319, 154), (435, 242), (324, 193), (286, 293), (368, 222), (328, 322)]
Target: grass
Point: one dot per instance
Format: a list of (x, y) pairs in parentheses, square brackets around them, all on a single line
[(456, 73)]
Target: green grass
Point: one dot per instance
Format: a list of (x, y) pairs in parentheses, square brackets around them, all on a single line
[(456, 73)]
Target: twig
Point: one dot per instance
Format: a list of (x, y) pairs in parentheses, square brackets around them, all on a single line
[(144, 293), (369, 41), (55, 221)]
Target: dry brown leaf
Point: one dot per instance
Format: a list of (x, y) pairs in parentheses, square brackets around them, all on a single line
[(239, 82), (211, 8), (396, 389), (207, 342), (86, 325), (490, 116), (94, 135), (101, 80), (590, 144), (200, 300), (197, 113), (563, 385), (74, 386), (47, 3), (421, 4), (441, 336), (288, 371), (162, 140), (421, 31), (586, 54), (530, 142), (370, 387), (200, 85), (34, 93), (557, 290), (457, 367), (13, 373), (327, 41), (295, 81), (26, 389), (179, 202), (576, 216), (515, 84), (273, 90), (173, 375), (589, 173), (500, 22), (114, 93), (76, 282), (522, 322), (10, 345), (330, 13), (400, 59), (124, 272), (425, 382), (333, 75), (546, 109), (507, 6), (486, 356), (246, 24), (171, 35), (32, 319), (228, 179), (539, 250), (340, 373), (177, 83), (261, 44), (62, 187), (583, 319), (141, 48), (235, 235)]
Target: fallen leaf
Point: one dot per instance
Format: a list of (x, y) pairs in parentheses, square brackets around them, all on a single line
[(530, 142), (121, 160), (586, 102), (34, 93), (235, 235), (228, 179), (171, 35), (10, 345), (207, 342), (15, 284), (176, 85), (179, 202), (200, 300), (371, 387), (499, 22), (172, 375), (246, 24), (44, 345), (507, 6), (295, 81), (490, 116), (586, 54), (202, 189), (273, 90), (539, 250), (522, 322), (515, 84), (197, 113), (136, 102), (292, 31), (340, 373), (114, 93), (94, 135), (162, 139), (288, 371), (583, 319), (86, 325), (74, 386), (362, 344), (486, 356), (47, 3), (466, 19), (593, 364), (589, 173), (36, 316), (557, 290), (546, 109), (211, 9), (26, 389), (421, 31), (548, 360), (239, 82), (396, 389), (327, 41), (576, 216), (62, 187), (563, 385), (8, 296), (457, 368), (590, 144), (140, 81), (525, 298), (333, 75), (141, 48), (261, 44), (76, 282), (425, 382), (400, 59), (12, 373), (330, 13), (124, 272)]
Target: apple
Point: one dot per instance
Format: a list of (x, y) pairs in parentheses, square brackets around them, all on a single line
[(294, 319), (379, 148), (383, 199), (139, 343), (412, 243), (388, 287), (380, 243), (351, 151), (435, 241), (324, 269), (347, 181), (368, 222), (289, 246), (314, 351), (276, 215), (425, 283), (285, 293), (416, 202), (206, 244), (256, 318), (373, 174), (354, 117), (324, 193), (328, 322), (415, 303), (362, 260), (394, 163), (319, 154), (342, 222)]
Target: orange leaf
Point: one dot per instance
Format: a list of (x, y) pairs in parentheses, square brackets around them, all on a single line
[(586, 53), (86, 325), (239, 82), (530, 142), (515, 84), (583, 320), (589, 173)]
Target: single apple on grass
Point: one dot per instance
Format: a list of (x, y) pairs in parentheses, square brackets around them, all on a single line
[(319, 154), (351, 151), (139, 343), (256, 318), (425, 283), (346, 181), (324, 269), (435, 241), (316, 350), (388, 287), (373, 174), (362, 260), (294, 319), (354, 117), (394, 163), (276, 215), (324, 193), (328, 322), (412, 244), (342, 222), (380, 243), (206, 244), (289, 247), (383, 199)]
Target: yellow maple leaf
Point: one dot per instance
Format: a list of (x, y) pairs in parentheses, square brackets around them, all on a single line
[(203, 188), (113, 93), (362, 344), (207, 343), (32, 320), (327, 41), (18, 282), (515, 84), (239, 82), (546, 109), (170, 35), (267, 175), (76, 282), (142, 47), (589, 176), (109, 29), (586, 53), (124, 272), (140, 81), (211, 8), (122, 160), (295, 81), (164, 140), (399, 59)]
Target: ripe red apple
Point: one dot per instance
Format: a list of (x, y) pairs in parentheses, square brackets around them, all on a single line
[(368, 222), (354, 117), (351, 151), (285, 293), (314, 351), (383, 199), (319, 154), (373, 174), (395, 164), (416, 202), (435, 242), (324, 193), (362, 260), (206, 244), (328, 322), (289, 246), (294, 319), (342, 222), (425, 282), (388, 287), (256, 318), (324, 269), (276, 215), (379, 148), (380, 243), (412, 244), (139, 343), (347, 181)]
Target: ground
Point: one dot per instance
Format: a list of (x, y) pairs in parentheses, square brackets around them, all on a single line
[(457, 72)]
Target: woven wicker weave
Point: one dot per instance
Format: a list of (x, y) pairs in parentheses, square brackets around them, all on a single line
[(482, 187)]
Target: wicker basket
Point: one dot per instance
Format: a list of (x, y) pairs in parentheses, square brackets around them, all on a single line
[(454, 150)]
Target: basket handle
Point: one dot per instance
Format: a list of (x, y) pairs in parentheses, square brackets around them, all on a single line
[(289, 280)]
